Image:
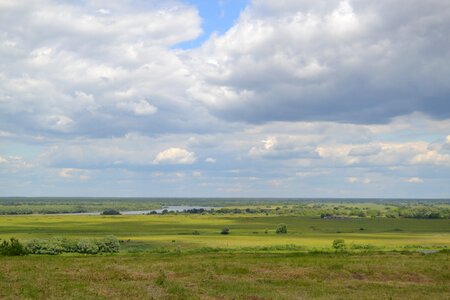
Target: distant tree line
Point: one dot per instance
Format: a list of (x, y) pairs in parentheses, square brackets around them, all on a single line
[(325, 208)]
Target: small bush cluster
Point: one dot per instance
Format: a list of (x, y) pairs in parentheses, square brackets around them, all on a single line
[(111, 212), (12, 248), (339, 245), (109, 244), (281, 228)]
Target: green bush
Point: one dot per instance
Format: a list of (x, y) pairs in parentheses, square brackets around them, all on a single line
[(43, 246), (111, 212), (225, 230), (339, 245), (87, 246), (69, 246), (109, 244), (281, 228), (12, 248)]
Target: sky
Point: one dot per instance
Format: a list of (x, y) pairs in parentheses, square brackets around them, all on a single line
[(231, 98)]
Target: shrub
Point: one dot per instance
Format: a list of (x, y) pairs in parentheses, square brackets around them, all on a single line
[(12, 248), (109, 244), (111, 212), (69, 246), (196, 232), (51, 246), (225, 230), (281, 228), (41, 246), (339, 245), (87, 246)]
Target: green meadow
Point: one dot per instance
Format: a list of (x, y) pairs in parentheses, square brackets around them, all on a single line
[(149, 232), (185, 256), (227, 276)]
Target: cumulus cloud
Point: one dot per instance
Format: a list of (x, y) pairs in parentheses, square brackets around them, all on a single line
[(175, 155), (347, 61), (87, 63), (384, 153), (283, 147), (307, 96)]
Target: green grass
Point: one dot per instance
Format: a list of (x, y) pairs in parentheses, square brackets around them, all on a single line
[(162, 259), (245, 230), (227, 276)]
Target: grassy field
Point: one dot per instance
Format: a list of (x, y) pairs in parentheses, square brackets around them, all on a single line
[(155, 231), (161, 258), (227, 276)]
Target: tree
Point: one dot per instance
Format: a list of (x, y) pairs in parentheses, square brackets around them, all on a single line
[(225, 230), (281, 228), (339, 245), (111, 212)]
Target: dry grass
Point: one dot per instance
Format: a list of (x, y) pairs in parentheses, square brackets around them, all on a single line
[(227, 276)]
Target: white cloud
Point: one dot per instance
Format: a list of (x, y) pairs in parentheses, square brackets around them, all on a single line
[(180, 174), (432, 158), (365, 150), (69, 173), (175, 155), (312, 173), (139, 108), (384, 153), (267, 145), (96, 86), (197, 174), (103, 11), (75, 59), (276, 182), (6, 134), (14, 163), (359, 180), (326, 60), (414, 180), (58, 123)]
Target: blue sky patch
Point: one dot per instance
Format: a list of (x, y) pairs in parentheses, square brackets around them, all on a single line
[(217, 16)]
